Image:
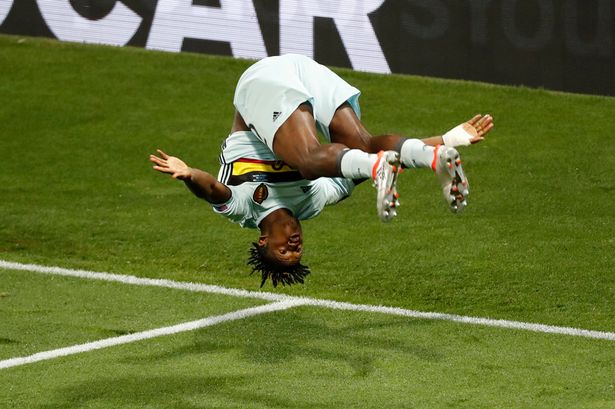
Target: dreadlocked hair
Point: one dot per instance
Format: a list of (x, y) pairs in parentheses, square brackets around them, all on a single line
[(279, 273)]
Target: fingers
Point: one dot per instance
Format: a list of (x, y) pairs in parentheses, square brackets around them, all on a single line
[(168, 164), (486, 129), (474, 120), (484, 125), (163, 169), (487, 119), (161, 165), (480, 120), (155, 159)]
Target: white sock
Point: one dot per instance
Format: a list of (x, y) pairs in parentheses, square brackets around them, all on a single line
[(356, 164), (415, 154)]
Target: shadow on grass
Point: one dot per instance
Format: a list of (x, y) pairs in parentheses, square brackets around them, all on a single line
[(298, 347), (186, 392), (275, 339)]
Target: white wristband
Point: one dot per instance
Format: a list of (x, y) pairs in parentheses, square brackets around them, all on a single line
[(457, 137)]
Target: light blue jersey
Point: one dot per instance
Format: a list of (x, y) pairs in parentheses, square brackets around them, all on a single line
[(267, 93), (261, 184)]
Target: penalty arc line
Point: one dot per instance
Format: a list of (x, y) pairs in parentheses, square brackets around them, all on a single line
[(154, 333), (214, 289)]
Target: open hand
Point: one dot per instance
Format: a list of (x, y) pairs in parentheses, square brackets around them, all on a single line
[(171, 165), (469, 132), (478, 127)]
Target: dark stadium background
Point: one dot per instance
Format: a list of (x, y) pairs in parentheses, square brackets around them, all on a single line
[(562, 45)]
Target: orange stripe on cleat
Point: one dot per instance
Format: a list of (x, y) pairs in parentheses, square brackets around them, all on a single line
[(435, 158), (375, 167)]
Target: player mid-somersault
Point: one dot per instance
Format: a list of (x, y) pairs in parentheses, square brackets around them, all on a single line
[(275, 172)]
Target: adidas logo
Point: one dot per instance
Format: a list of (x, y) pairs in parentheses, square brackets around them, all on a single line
[(276, 114)]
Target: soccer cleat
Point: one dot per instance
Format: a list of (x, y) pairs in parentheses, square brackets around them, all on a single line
[(455, 187), (384, 176)]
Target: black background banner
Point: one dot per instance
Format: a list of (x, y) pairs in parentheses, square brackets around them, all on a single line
[(556, 44)]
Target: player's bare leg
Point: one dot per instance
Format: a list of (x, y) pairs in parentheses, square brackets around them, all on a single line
[(296, 142), (346, 128)]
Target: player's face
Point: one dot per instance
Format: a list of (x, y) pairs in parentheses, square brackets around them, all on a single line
[(285, 242)]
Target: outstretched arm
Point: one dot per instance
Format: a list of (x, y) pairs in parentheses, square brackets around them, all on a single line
[(202, 184), (470, 132)]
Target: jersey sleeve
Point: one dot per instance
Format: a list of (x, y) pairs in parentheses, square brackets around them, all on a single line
[(237, 208)]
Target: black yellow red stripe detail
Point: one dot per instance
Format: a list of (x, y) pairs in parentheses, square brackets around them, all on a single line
[(254, 170)]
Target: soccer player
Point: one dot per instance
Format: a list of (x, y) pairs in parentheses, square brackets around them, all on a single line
[(275, 172)]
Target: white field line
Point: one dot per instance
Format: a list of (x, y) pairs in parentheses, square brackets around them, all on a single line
[(549, 329), (149, 282), (158, 332)]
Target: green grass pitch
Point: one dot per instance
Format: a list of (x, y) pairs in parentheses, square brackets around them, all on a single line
[(536, 244)]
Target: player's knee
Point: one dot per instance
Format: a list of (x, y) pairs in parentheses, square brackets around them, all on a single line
[(308, 165), (364, 142), (317, 161), (321, 161)]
